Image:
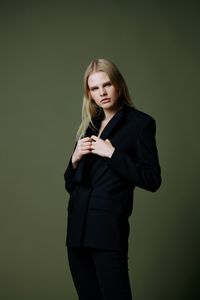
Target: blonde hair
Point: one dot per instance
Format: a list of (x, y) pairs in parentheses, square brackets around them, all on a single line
[(89, 107)]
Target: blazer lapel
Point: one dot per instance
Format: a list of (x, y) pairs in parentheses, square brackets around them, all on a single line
[(81, 166), (117, 118), (90, 130), (111, 124)]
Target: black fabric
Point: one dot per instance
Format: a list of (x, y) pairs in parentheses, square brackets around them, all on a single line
[(101, 189), (100, 274)]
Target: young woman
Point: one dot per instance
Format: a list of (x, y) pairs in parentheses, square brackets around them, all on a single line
[(115, 151)]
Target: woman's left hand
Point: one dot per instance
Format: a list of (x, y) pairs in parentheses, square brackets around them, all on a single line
[(101, 147)]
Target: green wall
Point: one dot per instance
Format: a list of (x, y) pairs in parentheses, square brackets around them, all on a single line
[(45, 47)]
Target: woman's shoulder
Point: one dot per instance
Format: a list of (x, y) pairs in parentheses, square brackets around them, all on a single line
[(140, 117)]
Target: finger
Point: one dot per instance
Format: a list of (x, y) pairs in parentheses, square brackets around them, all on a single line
[(86, 139), (86, 144), (94, 137), (107, 141), (94, 145), (83, 147)]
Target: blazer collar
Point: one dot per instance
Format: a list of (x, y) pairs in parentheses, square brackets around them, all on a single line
[(111, 124), (115, 120)]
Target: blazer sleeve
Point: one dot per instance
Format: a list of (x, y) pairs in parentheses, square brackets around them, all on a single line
[(144, 169), (69, 175)]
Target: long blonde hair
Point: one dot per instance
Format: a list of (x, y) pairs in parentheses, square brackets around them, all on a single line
[(89, 107)]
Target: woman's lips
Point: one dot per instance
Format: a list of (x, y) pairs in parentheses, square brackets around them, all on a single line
[(105, 100)]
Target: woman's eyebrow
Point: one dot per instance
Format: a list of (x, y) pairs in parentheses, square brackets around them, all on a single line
[(107, 82), (95, 86)]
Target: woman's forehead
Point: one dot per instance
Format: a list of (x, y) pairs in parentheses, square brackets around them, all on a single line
[(97, 78)]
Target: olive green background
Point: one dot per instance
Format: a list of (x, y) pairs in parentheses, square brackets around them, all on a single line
[(45, 48)]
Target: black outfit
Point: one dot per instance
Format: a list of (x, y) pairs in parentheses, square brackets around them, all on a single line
[(100, 274), (101, 189)]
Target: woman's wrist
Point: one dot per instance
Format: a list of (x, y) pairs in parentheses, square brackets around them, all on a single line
[(74, 163)]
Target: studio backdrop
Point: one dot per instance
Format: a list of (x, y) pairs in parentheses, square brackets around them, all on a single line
[(45, 48)]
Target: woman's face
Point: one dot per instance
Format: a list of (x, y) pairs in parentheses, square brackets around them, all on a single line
[(102, 91)]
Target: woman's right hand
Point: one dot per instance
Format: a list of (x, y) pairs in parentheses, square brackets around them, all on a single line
[(83, 147)]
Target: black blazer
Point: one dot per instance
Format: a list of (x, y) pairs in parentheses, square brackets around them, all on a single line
[(101, 189)]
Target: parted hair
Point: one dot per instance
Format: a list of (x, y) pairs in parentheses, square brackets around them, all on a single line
[(89, 108)]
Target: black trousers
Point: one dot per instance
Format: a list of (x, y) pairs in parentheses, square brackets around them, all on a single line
[(100, 274)]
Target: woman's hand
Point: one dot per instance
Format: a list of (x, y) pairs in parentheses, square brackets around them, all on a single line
[(101, 147), (83, 147)]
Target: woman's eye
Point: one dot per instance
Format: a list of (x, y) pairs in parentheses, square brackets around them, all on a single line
[(94, 89), (108, 84)]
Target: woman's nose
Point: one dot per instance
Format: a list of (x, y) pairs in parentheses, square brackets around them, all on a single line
[(102, 91)]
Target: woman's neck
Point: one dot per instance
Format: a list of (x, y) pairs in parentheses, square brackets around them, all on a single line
[(108, 114)]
